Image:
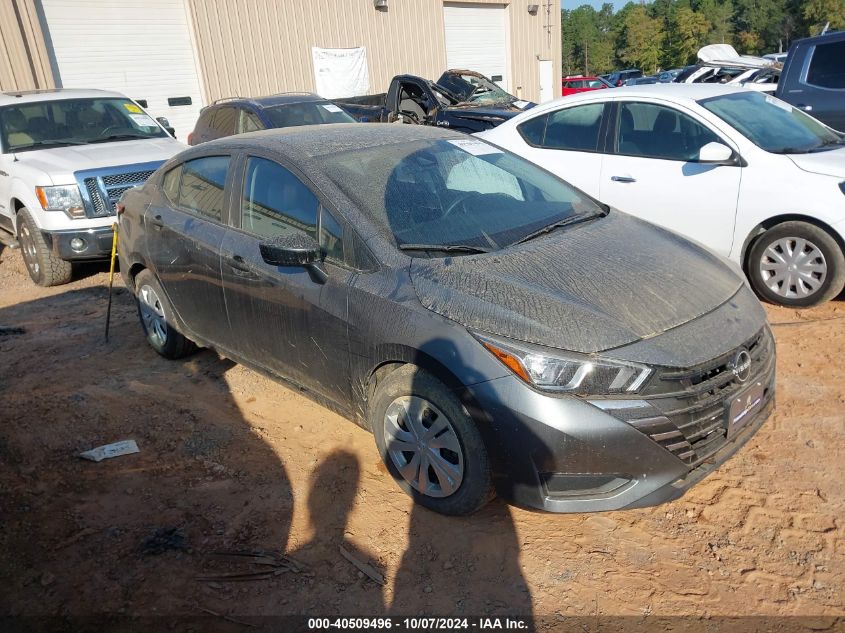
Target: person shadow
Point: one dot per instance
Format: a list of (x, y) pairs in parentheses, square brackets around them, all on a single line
[(461, 566)]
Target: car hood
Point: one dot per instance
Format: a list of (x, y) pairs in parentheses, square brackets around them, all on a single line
[(501, 110), (587, 288), (61, 162), (830, 163)]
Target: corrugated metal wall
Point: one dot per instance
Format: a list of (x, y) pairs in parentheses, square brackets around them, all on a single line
[(257, 47), (24, 64)]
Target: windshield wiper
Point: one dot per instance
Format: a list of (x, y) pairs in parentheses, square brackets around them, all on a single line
[(446, 248), (556, 225), (121, 137), (827, 144), (53, 142)]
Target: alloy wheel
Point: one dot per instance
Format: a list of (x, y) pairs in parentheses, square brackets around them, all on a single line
[(423, 445), (793, 267), (152, 314), (29, 250)]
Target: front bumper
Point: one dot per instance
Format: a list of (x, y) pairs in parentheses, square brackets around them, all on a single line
[(96, 243), (563, 454)]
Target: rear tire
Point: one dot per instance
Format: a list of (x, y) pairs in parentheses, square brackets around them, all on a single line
[(157, 319), (796, 264), (43, 266), (444, 465)]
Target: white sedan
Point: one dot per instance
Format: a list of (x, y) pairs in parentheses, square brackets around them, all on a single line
[(744, 173)]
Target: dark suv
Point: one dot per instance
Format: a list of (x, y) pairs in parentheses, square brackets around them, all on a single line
[(237, 115), (813, 78), (619, 77)]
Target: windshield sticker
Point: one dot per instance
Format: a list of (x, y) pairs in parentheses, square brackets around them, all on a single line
[(778, 103), (131, 107), (520, 104), (476, 148), (330, 107), (144, 120)]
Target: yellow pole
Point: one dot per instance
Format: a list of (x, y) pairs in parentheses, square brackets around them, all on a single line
[(111, 276)]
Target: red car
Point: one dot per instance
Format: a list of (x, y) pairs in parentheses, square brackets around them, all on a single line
[(574, 85)]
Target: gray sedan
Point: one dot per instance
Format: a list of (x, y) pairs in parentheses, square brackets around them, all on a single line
[(495, 328)]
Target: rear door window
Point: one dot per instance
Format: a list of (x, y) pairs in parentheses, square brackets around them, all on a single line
[(827, 66), (575, 129), (248, 122), (224, 122), (201, 186)]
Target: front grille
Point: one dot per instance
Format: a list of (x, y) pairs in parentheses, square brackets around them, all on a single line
[(689, 405), (104, 191)]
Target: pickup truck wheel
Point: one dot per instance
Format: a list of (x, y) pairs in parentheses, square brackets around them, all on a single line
[(43, 266), (429, 443), (156, 319), (796, 264)]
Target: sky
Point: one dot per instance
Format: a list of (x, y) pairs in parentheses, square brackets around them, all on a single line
[(573, 4)]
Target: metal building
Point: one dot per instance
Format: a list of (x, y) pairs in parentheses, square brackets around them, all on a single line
[(177, 55)]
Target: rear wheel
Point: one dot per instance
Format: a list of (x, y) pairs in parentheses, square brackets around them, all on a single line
[(796, 264), (429, 444), (156, 319), (43, 266)]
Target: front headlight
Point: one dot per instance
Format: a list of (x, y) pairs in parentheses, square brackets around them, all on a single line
[(566, 372), (64, 198)]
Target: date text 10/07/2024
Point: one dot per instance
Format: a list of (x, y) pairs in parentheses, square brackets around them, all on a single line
[(420, 624)]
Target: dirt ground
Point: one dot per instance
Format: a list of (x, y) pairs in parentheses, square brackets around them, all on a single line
[(230, 460)]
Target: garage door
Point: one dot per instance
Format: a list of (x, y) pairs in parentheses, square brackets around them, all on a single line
[(476, 39), (141, 48)]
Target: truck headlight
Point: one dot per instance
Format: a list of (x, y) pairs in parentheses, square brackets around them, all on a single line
[(554, 370), (64, 198)]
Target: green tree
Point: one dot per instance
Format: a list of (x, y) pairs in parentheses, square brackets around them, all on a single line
[(720, 16), (642, 40), (817, 13), (689, 31)]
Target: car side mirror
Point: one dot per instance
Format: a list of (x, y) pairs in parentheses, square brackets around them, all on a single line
[(716, 154), (294, 249), (163, 122)]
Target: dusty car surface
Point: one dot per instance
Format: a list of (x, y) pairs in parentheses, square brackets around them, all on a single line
[(494, 328)]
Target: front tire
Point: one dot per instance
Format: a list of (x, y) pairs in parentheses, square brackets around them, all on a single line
[(796, 264), (43, 266), (429, 443), (157, 319)]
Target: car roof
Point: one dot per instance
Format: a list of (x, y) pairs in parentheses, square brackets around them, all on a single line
[(268, 101), (824, 37), (668, 91), (18, 97), (308, 141)]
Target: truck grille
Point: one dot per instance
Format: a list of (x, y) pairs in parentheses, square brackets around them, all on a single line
[(104, 191), (689, 406)]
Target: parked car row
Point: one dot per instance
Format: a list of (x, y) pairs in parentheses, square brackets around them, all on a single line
[(477, 302)]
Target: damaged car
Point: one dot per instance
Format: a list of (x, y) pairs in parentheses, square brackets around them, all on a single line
[(462, 100), (496, 329)]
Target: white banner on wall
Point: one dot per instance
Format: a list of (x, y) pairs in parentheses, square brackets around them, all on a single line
[(341, 72)]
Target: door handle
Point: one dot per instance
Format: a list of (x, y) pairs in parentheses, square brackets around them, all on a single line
[(240, 267), (623, 179)]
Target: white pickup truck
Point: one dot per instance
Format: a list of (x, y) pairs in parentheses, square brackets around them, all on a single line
[(66, 156)]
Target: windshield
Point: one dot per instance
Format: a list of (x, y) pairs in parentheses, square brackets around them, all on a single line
[(74, 122), (770, 123), (308, 113), (474, 88), (461, 192)]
